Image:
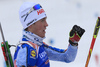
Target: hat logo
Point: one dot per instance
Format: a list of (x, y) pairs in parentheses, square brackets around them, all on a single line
[(31, 22), (40, 11)]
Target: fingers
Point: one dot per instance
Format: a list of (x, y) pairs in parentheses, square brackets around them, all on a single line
[(75, 35), (78, 30)]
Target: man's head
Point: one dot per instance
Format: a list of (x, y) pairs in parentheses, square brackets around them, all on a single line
[(33, 18)]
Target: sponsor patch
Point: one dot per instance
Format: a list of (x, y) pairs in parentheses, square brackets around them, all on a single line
[(33, 53)]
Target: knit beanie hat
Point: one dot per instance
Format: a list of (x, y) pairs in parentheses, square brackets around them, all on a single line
[(30, 13)]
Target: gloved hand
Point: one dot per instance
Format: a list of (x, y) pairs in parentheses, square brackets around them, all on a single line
[(75, 35)]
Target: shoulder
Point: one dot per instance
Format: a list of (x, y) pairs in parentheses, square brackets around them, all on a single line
[(28, 44)]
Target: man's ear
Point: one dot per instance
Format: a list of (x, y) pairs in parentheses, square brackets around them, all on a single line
[(30, 26), (28, 29)]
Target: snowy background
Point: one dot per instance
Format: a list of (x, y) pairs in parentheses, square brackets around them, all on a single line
[(61, 16)]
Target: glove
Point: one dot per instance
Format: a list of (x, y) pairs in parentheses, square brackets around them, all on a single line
[(75, 35)]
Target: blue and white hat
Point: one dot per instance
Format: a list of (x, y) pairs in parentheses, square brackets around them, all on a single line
[(30, 13)]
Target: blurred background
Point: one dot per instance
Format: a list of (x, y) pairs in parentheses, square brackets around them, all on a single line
[(61, 16)]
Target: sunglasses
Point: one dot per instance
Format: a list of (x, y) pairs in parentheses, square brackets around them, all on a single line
[(36, 7)]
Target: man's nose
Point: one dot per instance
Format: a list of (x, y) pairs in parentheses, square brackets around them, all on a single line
[(46, 24)]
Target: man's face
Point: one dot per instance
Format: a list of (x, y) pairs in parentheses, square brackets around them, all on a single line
[(39, 27)]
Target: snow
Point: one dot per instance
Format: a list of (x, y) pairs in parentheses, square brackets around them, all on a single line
[(61, 16)]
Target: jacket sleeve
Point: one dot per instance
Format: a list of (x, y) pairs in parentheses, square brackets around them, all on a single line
[(21, 57), (60, 54)]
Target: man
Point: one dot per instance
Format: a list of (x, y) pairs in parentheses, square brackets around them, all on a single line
[(31, 50)]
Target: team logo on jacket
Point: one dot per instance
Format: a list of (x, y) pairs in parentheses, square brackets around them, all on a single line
[(33, 53)]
